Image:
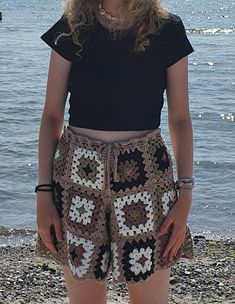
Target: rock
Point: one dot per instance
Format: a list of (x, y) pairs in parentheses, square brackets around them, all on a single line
[(198, 238), (198, 270), (173, 280)]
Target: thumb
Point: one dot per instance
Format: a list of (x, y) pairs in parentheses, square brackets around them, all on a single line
[(168, 220), (58, 231)]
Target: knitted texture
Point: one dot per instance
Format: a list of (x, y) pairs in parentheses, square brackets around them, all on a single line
[(112, 199)]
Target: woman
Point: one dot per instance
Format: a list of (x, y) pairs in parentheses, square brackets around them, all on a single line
[(107, 200)]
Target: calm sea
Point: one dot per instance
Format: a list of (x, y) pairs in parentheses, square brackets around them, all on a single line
[(23, 72)]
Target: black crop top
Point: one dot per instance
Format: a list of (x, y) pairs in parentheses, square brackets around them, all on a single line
[(111, 87)]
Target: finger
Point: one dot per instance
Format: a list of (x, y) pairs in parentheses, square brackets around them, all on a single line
[(58, 230), (168, 220), (171, 242), (46, 238), (175, 248), (49, 244), (178, 246)]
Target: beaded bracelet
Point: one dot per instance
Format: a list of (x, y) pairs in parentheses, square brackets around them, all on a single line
[(185, 183), (41, 187)]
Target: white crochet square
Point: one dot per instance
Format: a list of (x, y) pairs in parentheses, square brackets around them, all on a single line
[(92, 155), (120, 202), (88, 246), (135, 257), (81, 210)]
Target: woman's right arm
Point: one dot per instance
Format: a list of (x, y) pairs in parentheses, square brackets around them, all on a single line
[(50, 131)]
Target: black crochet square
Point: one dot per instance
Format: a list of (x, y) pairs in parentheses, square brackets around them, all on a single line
[(138, 259), (135, 177)]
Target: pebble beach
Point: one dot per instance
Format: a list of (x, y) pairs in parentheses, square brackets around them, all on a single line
[(209, 278)]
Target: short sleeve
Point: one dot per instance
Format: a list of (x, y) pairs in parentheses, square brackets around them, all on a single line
[(64, 45), (177, 44)]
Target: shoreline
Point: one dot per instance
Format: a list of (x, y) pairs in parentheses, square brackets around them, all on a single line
[(209, 278)]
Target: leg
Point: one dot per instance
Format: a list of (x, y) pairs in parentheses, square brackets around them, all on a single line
[(154, 290), (84, 292)]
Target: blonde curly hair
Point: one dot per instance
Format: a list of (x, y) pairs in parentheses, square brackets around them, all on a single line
[(143, 17)]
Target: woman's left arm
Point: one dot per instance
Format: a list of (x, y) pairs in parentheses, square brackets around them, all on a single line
[(180, 128)]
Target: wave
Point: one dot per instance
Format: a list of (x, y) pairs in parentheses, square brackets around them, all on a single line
[(4, 231), (211, 31)]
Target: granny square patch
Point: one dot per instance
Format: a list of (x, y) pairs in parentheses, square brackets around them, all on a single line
[(131, 171), (138, 259), (87, 169), (159, 157), (80, 251), (81, 210), (134, 213), (84, 212)]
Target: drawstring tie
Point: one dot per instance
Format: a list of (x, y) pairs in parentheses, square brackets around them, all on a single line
[(109, 156)]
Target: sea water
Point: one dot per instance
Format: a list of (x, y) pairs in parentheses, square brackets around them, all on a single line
[(24, 60)]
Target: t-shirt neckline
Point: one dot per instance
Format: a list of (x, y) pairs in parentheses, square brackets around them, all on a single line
[(110, 31)]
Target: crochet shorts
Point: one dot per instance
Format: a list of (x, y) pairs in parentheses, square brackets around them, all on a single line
[(112, 199)]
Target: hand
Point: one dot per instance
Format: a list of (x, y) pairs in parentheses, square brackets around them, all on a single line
[(178, 216), (47, 216)]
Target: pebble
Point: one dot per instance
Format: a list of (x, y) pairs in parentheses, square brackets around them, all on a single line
[(187, 272)]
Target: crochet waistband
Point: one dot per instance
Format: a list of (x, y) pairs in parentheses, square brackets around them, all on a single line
[(108, 151), (120, 143)]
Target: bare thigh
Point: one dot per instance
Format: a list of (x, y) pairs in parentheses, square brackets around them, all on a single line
[(84, 292), (155, 290)]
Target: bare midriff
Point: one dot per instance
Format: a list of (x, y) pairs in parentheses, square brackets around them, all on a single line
[(108, 136)]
